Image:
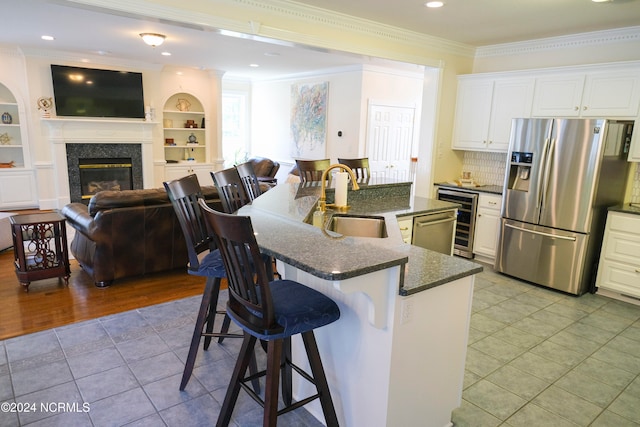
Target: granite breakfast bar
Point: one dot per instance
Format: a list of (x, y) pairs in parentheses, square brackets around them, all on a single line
[(396, 355)]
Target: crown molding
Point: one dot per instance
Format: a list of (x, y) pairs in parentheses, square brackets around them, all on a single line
[(595, 38), (88, 59)]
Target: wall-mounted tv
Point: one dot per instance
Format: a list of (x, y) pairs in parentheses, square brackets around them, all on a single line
[(89, 92)]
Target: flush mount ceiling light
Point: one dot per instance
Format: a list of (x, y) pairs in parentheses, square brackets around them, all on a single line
[(153, 39)]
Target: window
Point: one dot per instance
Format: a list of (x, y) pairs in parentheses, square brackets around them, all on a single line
[(235, 141)]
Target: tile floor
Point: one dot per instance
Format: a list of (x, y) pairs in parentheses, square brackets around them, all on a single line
[(535, 358), (541, 358)]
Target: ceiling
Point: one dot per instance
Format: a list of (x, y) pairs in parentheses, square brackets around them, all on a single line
[(90, 32)]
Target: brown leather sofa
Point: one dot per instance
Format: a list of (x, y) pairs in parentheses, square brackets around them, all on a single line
[(129, 233)]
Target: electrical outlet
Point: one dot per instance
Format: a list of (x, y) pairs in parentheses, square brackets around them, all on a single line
[(406, 311)]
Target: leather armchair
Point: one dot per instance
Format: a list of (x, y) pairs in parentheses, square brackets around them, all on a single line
[(264, 168)]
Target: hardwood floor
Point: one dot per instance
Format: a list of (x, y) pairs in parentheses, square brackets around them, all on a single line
[(49, 303)]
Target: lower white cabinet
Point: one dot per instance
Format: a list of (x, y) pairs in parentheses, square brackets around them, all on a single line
[(619, 268), (18, 189), (202, 171), (487, 227), (406, 228)]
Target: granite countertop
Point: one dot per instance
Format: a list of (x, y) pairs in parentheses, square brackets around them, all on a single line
[(630, 208), (280, 218), (494, 189)]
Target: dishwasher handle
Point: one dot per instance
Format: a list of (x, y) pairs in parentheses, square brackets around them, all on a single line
[(440, 221)]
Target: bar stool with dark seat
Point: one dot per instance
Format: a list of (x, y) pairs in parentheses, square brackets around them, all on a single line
[(249, 180), (311, 170), (230, 189), (360, 167), (204, 260), (272, 311)]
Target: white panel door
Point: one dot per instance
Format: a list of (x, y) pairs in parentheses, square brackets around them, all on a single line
[(389, 141)]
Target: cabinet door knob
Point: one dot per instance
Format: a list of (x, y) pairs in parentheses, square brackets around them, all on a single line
[(585, 108), (576, 108)]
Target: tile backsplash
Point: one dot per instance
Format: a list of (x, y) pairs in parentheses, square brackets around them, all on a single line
[(635, 188), (485, 168), (489, 169)]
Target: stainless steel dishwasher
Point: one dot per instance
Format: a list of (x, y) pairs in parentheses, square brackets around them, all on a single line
[(435, 231)]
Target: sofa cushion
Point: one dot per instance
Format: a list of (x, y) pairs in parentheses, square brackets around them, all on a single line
[(148, 197)]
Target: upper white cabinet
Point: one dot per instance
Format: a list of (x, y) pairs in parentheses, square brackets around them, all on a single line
[(485, 108), (607, 94)]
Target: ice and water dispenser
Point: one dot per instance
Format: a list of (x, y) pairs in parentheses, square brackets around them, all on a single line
[(520, 171)]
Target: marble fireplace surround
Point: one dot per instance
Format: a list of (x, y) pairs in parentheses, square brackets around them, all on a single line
[(63, 131)]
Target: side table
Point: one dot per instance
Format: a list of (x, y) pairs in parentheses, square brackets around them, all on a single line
[(40, 247)]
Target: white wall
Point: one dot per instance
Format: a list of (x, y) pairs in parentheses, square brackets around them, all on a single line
[(350, 92), (271, 106)]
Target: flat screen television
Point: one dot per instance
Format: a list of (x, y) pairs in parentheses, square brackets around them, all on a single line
[(89, 92)]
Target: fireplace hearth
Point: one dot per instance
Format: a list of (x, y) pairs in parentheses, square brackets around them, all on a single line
[(96, 167)]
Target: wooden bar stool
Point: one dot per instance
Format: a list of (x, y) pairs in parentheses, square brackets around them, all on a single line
[(249, 180), (271, 311), (360, 167), (205, 261), (311, 170)]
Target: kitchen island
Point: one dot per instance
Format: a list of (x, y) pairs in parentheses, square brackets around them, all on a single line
[(396, 355)]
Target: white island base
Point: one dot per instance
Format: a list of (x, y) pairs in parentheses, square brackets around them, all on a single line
[(390, 360)]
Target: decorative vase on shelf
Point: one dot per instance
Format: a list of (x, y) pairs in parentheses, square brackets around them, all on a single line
[(6, 118)]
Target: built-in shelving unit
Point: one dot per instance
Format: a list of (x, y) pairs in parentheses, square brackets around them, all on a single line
[(182, 122), (17, 179), (11, 149), (185, 144)]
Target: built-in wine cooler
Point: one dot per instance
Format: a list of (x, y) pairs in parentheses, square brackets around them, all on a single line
[(463, 245)]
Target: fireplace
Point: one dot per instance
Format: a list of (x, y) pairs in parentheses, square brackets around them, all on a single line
[(97, 167), (104, 174)]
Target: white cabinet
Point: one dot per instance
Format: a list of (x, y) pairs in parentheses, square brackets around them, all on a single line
[(619, 268), (607, 94), (406, 228), (18, 189), (634, 148), (485, 108), (202, 170), (487, 227)]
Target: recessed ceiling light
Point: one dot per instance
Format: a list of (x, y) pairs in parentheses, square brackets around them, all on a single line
[(254, 65), (434, 4), (602, 1), (166, 53), (48, 38), (271, 54)]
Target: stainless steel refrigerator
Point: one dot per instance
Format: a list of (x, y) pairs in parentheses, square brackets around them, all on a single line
[(561, 176)]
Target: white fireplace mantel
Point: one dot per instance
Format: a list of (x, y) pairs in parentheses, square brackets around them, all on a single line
[(62, 131)]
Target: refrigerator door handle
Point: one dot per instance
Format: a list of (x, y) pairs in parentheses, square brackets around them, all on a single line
[(543, 167), (547, 173), (540, 233)]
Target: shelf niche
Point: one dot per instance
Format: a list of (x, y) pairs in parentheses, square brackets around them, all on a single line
[(182, 121)]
